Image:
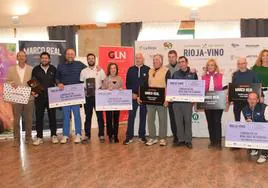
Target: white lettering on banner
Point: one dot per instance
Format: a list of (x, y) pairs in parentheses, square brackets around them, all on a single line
[(39, 50)]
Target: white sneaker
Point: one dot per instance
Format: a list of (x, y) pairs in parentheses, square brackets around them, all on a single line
[(163, 142), (151, 142), (78, 139), (64, 140), (54, 139), (262, 159), (254, 152), (38, 141)]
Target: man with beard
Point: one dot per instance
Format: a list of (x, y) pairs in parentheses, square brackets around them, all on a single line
[(45, 74), (93, 77)]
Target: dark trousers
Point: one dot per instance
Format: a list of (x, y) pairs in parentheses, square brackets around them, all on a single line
[(214, 125), (238, 106), (131, 120), (172, 121), (89, 106), (41, 103), (112, 123)]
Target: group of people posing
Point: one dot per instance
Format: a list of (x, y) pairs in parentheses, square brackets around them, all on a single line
[(138, 75)]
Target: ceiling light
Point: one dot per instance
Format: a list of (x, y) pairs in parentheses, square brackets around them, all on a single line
[(103, 16), (20, 9), (195, 4)]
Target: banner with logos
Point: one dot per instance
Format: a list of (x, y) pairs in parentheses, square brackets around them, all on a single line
[(33, 49), (7, 58), (198, 51), (123, 57)]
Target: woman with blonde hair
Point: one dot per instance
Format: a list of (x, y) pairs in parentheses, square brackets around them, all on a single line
[(213, 82), (261, 67)]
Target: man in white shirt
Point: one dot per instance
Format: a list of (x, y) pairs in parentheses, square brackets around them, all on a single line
[(93, 77)]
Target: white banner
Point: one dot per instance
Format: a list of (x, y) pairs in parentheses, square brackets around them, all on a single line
[(224, 51)]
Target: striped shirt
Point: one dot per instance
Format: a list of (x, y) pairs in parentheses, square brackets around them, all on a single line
[(69, 72)]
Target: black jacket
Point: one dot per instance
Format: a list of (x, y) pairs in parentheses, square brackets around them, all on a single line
[(137, 77), (256, 115), (185, 75), (46, 79)]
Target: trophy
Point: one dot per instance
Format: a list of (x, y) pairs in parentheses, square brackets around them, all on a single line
[(36, 86), (90, 87)]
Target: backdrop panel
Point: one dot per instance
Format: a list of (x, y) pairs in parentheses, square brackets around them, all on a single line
[(56, 49), (198, 51)]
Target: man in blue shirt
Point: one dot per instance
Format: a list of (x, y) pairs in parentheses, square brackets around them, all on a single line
[(69, 73)]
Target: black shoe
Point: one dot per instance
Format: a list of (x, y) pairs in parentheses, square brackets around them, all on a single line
[(218, 145), (179, 144), (143, 140), (211, 145), (175, 140), (110, 139), (189, 145), (116, 139), (85, 140)]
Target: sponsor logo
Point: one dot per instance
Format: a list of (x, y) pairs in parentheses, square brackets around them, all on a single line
[(204, 50), (235, 45), (195, 116), (38, 50), (117, 55), (252, 45), (147, 48), (167, 45)]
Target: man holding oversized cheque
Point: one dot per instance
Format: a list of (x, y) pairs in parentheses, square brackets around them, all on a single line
[(183, 110), (69, 73), (255, 111), (158, 76)]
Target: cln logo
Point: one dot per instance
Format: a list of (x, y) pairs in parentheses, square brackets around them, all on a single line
[(117, 55)]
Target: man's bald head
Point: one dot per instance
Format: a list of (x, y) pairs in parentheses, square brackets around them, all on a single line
[(139, 59), (242, 64)]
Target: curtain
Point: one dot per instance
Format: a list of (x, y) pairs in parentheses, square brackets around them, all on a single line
[(130, 33), (63, 33), (254, 27)]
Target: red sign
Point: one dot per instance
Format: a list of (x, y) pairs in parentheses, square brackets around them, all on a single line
[(123, 57)]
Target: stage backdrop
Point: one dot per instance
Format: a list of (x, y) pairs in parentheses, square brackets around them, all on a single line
[(7, 58), (124, 58), (56, 49), (225, 51)]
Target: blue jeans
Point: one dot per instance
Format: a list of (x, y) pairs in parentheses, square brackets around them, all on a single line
[(131, 120), (77, 119)]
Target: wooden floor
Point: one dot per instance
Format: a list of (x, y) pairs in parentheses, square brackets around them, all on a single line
[(115, 165)]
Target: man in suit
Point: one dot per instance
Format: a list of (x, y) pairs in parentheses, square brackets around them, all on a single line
[(19, 75)]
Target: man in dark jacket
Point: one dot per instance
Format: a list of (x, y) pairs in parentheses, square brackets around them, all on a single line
[(255, 111), (242, 76), (183, 110), (45, 74), (137, 76)]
